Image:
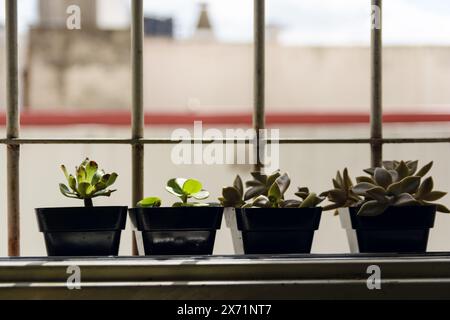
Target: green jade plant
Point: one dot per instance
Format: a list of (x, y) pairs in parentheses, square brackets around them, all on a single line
[(89, 182), (266, 192), (184, 189), (396, 183)]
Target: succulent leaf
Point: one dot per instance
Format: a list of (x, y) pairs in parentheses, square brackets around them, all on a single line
[(434, 196), (192, 186), (275, 192), (283, 182), (290, 204), (174, 187), (201, 195), (72, 183), (382, 177), (378, 193), (362, 188), (272, 178), (372, 208), (365, 179), (442, 208), (423, 172), (111, 179), (238, 185), (254, 192), (405, 199), (150, 202), (412, 165), (91, 170), (402, 170), (261, 202), (425, 188), (407, 185), (311, 201), (389, 165)]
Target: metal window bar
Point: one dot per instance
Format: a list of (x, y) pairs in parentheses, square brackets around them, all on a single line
[(376, 114), (137, 69), (137, 141), (259, 120), (12, 128)]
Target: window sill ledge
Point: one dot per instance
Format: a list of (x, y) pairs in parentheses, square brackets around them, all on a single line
[(424, 276)]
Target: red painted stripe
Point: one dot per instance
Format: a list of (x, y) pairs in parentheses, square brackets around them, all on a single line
[(120, 118)]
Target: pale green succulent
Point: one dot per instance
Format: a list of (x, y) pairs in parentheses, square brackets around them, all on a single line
[(150, 202), (89, 183), (186, 189)]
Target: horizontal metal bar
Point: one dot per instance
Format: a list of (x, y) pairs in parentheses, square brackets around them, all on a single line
[(157, 141)]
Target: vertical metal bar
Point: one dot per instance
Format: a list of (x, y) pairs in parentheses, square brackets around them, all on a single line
[(259, 74), (376, 118), (137, 39), (12, 131)]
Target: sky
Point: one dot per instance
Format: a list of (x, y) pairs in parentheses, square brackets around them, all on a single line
[(300, 22)]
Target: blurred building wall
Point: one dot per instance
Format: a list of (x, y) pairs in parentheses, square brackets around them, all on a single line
[(71, 69), (53, 14), (79, 70), (2, 70)]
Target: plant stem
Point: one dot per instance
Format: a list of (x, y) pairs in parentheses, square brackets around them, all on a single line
[(88, 203)]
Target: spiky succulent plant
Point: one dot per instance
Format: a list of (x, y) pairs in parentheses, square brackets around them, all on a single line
[(271, 196), (397, 183), (233, 197), (89, 182), (309, 199), (261, 184), (266, 192), (342, 196)]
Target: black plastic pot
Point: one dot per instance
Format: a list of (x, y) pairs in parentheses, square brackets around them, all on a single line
[(176, 231), (82, 231), (278, 231), (397, 230)]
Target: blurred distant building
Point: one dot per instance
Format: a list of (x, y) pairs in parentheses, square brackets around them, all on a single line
[(53, 13), (157, 27), (2, 68), (90, 69), (204, 30), (77, 68)]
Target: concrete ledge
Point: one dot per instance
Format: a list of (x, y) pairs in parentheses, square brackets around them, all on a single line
[(264, 277)]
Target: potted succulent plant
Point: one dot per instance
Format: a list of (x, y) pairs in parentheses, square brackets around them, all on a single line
[(267, 222), (390, 210), (88, 230), (186, 228)]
